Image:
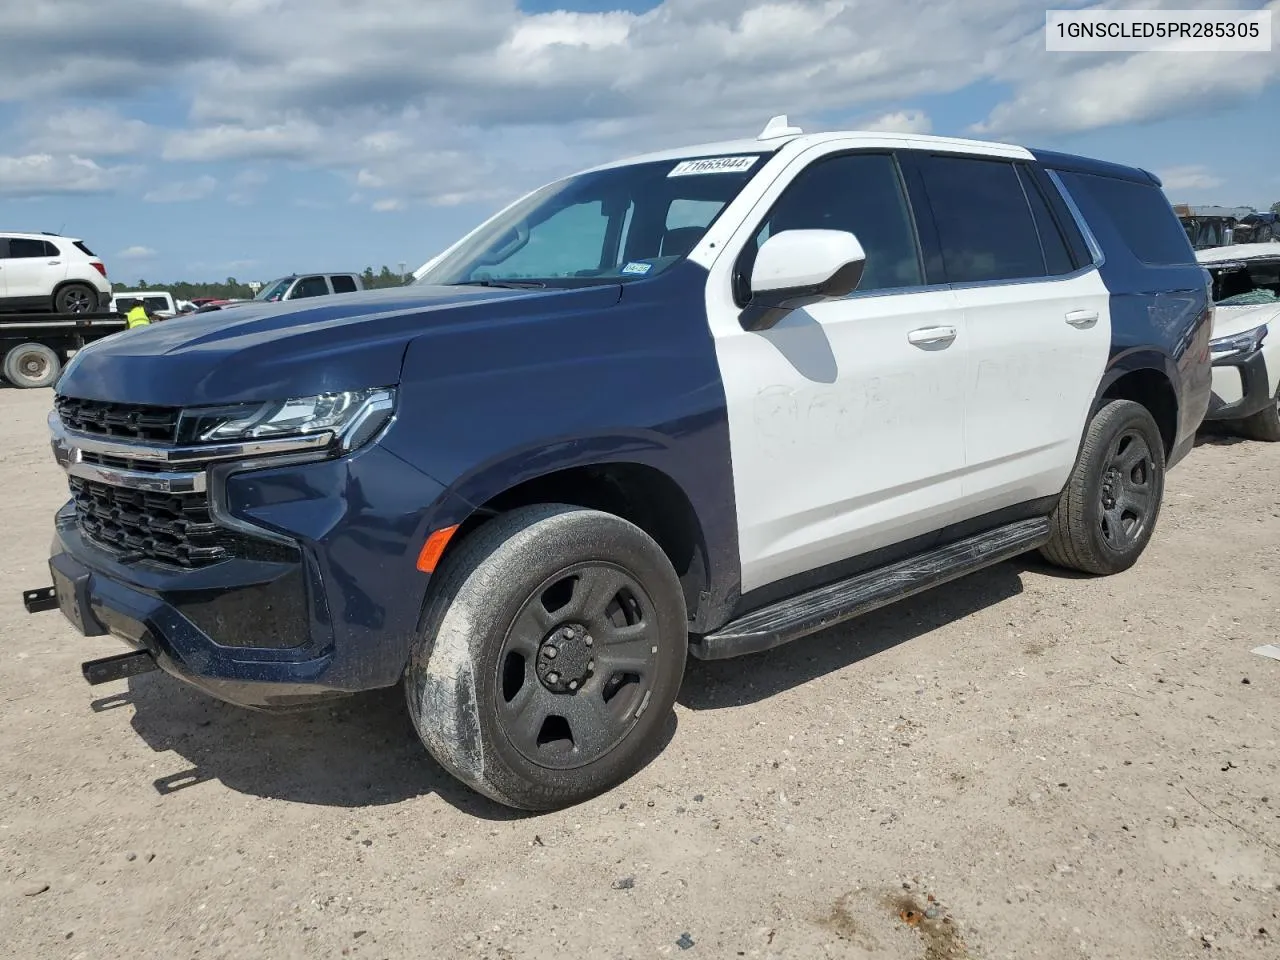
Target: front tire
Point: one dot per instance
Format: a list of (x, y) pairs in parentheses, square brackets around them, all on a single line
[(1108, 511), (75, 298), (552, 650)]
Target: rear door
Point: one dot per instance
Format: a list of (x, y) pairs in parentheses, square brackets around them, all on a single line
[(1038, 323)]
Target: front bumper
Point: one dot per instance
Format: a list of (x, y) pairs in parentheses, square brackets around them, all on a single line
[(337, 618), (1241, 387)]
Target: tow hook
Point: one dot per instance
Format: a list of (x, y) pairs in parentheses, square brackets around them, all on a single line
[(40, 599)]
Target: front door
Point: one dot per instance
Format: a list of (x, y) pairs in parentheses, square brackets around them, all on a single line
[(846, 420)]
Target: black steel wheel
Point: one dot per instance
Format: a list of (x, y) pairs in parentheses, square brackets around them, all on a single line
[(580, 657), (1108, 511), (551, 654), (76, 298), (1127, 502)]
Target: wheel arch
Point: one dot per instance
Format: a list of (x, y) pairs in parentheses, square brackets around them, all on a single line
[(1148, 378), (639, 492), (71, 281)]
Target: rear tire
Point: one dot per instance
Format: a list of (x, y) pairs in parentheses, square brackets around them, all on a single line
[(1108, 511), (1265, 424), (552, 650), (75, 298), (31, 365)]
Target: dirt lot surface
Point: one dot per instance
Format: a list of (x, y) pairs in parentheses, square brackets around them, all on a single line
[(1021, 764)]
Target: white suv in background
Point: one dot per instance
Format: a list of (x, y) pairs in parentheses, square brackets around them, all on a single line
[(42, 271)]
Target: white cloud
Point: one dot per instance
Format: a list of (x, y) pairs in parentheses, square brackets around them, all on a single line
[(43, 174), (1190, 177), (293, 140), (454, 101), (900, 121), (86, 131), (136, 253), (388, 205), (181, 191), (1069, 93)]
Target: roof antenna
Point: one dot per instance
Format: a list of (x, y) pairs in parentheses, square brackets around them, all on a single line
[(778, 127)]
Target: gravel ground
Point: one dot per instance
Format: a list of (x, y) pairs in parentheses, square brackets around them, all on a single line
[(1020, 764)]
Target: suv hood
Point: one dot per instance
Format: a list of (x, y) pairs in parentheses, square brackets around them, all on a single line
[(273, 351), (1228, 321)]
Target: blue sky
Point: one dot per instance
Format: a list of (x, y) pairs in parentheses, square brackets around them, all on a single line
[(200, 139)]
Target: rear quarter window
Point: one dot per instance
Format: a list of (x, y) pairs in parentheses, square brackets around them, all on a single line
[(85, 250), (1142, 216)]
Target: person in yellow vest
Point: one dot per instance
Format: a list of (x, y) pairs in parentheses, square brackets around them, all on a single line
[(137, 315)]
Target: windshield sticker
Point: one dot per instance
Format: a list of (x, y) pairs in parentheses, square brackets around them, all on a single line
[(640, 268), (688, 168)]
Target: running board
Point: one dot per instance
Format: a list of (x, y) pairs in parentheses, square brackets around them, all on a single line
[(796, 617)]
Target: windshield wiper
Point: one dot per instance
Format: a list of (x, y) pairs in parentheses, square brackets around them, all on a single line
[(508, 284)]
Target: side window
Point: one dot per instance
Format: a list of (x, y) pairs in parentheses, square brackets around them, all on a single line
[(1051, 190), (310, 287), (687, 221), (566, 243), (22, 248), (861, 193), (1057, 258), (51, 249), (343, 283), (984, 224), (1141, 215)]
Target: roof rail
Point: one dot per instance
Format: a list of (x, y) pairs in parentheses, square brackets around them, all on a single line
[(778, 127)]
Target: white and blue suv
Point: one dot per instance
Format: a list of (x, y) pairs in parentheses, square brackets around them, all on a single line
[(704, 401)]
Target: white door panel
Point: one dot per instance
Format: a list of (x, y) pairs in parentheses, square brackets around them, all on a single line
[(32, 276), (846, 423), (1037, 354)]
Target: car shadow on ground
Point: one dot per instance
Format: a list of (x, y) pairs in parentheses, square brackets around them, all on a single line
[(724, 684), (1218, 435), (361, 752)]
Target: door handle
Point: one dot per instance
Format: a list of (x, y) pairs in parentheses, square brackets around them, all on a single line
[(53, 263), (1082, 319), (932, 336)]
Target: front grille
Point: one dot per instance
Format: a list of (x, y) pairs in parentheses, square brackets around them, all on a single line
[(174, 529), (123, 420)]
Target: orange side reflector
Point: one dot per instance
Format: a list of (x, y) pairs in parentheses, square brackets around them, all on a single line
[(434, 547)]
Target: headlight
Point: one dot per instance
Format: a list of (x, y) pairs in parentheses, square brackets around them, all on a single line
[(351, 417), (1238, 344)]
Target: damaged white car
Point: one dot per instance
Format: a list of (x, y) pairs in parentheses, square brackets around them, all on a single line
[(1246, 337)]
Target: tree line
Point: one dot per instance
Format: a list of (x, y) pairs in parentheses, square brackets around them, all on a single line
[(233, 289)]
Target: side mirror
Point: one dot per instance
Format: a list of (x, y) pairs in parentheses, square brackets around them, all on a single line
[(798, 267)]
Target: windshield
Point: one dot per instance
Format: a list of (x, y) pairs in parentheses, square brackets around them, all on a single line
[(275, 289), (1250, 283), (617, 224)]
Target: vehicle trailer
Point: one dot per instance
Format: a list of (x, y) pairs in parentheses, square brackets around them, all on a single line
[(34, 347)]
